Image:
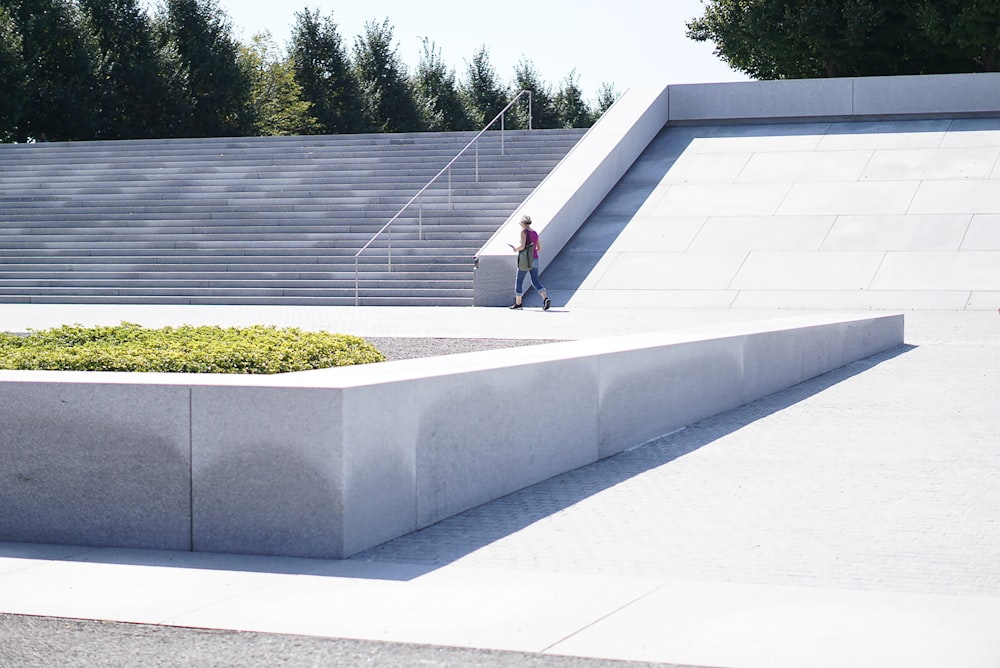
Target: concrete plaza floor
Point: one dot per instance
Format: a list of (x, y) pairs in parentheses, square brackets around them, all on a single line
[(851, 520)]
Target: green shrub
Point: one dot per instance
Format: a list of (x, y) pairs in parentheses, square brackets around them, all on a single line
[(131, 347)]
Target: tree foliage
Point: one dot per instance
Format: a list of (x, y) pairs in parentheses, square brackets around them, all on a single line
[(606, 96), (543, 107), (436, 91), (13, 76), (116, 69), (385, 85), (572, 110), (788, 39), (135, 101), (324, 72), (60, 102), (275, 95), (485, 96), (208, 55), (970, 27)]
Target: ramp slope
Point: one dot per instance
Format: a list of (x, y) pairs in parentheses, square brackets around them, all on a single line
[(895, 214)]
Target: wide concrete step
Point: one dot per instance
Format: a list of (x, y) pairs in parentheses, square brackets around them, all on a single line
[(474, 235), (379, 273), (251, 167), (47, 219), (244, 292), (272, 258), (236, 256), (236, 299), (95, 286), (259, 220), (340, 143), (92, 153), (456, 221), (276, 200), (95, 189)]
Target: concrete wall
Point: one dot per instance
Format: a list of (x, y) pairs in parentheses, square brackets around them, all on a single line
[(779, 155), (327, 463), (858, 98), (573, 190)]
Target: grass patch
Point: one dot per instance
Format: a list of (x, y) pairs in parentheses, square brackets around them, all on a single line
[(184, 349)]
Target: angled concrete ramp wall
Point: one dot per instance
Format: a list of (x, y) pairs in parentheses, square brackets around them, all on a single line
[(879, 192), (880, 214)]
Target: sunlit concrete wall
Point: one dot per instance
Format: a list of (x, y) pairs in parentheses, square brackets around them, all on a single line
[(330, 462)]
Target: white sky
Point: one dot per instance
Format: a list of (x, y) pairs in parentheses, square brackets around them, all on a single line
[(624, 42)]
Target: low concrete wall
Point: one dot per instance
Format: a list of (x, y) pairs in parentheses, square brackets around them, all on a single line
[(327, 463), (562, 203), (564, 200), (856, 98)]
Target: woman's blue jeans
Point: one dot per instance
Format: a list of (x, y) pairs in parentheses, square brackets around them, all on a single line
[(519, 283)]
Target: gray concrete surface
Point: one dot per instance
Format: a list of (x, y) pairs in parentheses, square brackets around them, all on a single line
[(329, 462), (822, 215), (850, 520), (42, 642)]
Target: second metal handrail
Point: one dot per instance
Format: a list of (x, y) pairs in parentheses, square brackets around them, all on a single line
[(418, 197)]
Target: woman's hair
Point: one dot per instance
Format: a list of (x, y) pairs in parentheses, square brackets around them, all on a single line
[(526, 220)]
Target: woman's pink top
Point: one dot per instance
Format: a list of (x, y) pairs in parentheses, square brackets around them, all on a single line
[(533, 240)]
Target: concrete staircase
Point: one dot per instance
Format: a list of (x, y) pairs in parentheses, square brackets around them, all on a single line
[(266, 220)]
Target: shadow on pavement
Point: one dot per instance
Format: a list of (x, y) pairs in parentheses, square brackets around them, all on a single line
[(428, 549), (458, 536)]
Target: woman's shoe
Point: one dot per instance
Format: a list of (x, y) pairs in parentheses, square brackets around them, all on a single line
[(516, 306), (546, 303)]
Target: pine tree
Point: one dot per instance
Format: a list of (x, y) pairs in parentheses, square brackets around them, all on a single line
[(137, 96), (573, 111), (199, 36), (437, 94), (61, 98), (276, 97), (13, 77), (543, 111), (324, 73), (385, 86), (485, 96)]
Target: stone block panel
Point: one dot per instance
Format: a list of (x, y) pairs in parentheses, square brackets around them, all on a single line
[(266, 469), (95, 464)]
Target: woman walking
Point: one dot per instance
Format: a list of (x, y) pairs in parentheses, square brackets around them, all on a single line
[(527, 263)]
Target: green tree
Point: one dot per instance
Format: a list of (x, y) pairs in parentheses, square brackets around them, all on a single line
[(543, 108), (276, 97), (969, 27), (324, 72), (573, 111), (606, 96), (385, 86), (437, 95), (137, 98), (13, 76), (787, 39), (485, 96), (199, 36), (61, 99)]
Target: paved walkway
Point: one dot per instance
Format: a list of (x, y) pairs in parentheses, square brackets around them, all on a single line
[(851, 520)]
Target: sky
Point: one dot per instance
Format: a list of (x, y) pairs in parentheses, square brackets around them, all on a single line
[(623, 42)]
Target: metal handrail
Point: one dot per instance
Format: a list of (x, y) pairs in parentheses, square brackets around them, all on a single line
[(446, 168)]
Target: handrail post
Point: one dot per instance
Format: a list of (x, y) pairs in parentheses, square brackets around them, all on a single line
[(387, 228)]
